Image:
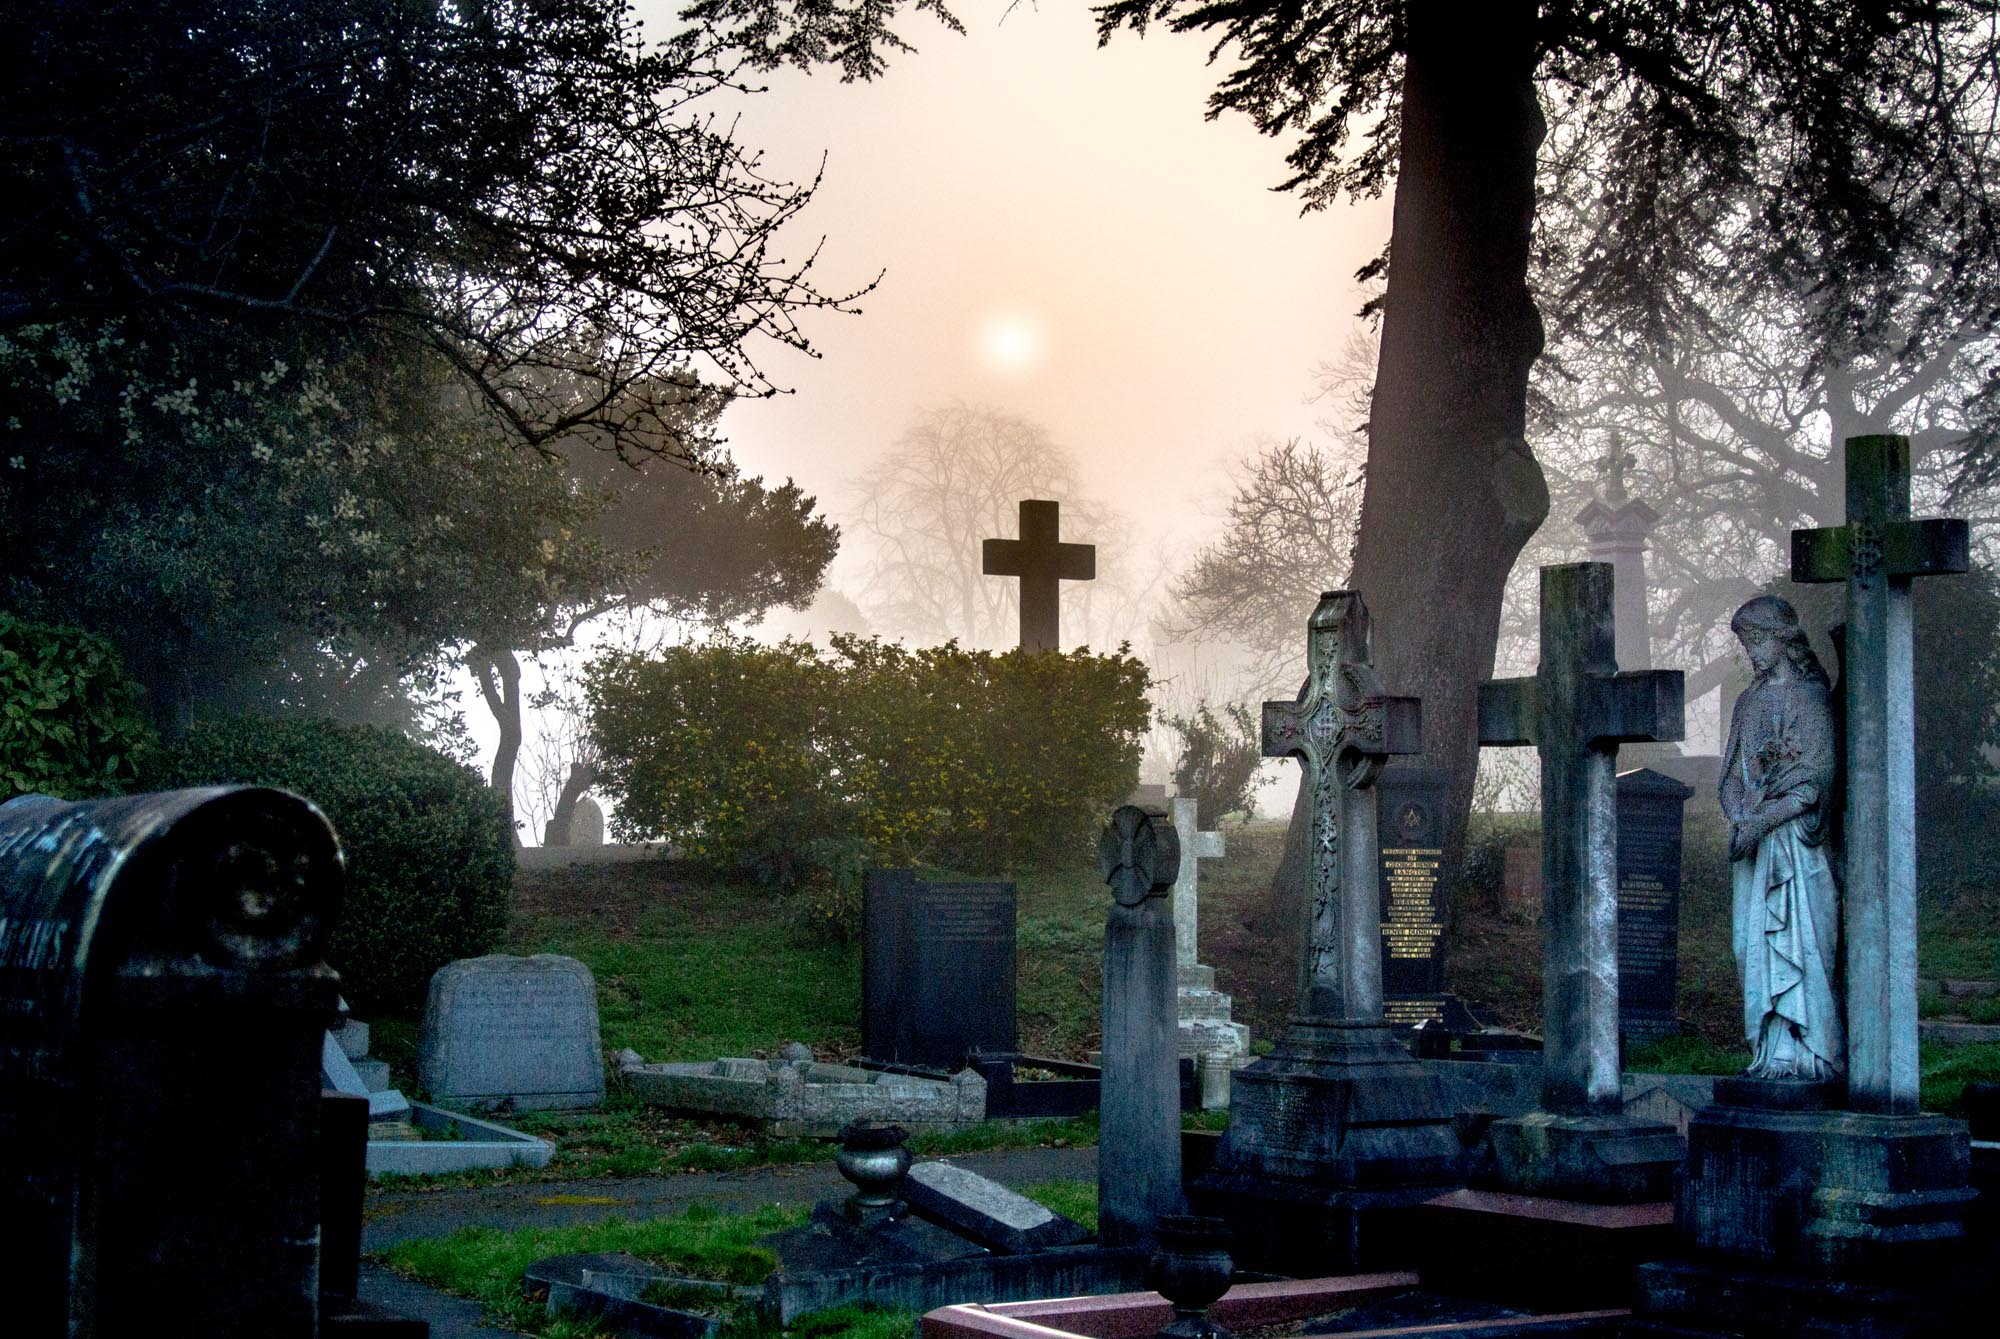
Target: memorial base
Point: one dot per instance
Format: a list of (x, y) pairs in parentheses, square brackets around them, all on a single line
[(1591, 1159), (1537, 1254), (1336, 1124), (1776, 1180)]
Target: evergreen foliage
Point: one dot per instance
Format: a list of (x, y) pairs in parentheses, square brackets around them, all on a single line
[(429, 860), (70, 724)]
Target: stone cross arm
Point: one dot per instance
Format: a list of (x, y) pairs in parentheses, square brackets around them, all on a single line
[(1937, 547), (1311, 731), (1627, 708)]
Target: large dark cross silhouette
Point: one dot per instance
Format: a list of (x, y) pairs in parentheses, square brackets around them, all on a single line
[(1877, 553), (1041, 560), (1577, 710), (1342, 729)]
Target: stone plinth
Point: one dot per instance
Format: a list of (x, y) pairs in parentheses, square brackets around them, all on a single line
[(1593, 1159), (792, 1098)]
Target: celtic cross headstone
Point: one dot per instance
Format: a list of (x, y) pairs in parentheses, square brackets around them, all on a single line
[(1042, 561), (1878, 553), (1342, 729)]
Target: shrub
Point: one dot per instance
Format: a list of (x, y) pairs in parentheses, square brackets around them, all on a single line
[(429, 856), (1219, 760), (804, 766), (69, 719)]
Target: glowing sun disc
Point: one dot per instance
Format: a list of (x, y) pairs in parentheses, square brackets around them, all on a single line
[(1010, 343)]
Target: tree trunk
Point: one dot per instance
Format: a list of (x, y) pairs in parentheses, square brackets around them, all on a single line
[(499, 675), (557, 831), (1453, 491)]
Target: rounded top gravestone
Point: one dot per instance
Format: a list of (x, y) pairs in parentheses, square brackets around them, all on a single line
[(505, 1031), (1138, 858)]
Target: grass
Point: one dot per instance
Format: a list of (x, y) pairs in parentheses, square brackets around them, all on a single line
[(1943, 1070), (1071, 1199), (487, 1265)]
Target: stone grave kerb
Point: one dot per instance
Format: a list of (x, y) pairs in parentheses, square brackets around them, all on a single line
[(1878, 553), (1576, 710), (1042, 561), (1196, 846), (1342, 729)]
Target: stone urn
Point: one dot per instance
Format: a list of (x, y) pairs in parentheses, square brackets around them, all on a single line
[(1191, 1269), (874, 1158)]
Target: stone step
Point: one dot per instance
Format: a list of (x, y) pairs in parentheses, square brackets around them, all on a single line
[(1196, 976)]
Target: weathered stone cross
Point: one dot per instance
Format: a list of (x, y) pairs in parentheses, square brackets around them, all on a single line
[(1576, 711), (1196, 846), (1042, 561), (1877, 553), (1342, 729)]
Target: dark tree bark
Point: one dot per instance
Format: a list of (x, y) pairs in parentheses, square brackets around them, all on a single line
[(499, 674), (556, 832), (1453, 491)]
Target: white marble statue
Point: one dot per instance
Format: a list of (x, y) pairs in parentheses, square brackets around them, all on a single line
[(1778, 789)]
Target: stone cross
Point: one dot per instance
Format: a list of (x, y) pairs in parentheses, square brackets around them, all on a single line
[(1139, 1163), (1042, 561), (1616, 527), (1576, 711), (1342, 729), (1878, 553), (1195, 847)]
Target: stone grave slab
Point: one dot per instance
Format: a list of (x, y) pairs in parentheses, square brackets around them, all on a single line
[(1650, 810), (509, 1031), (937, 970), (989, 1213), (808, 1098), (1414, 915)]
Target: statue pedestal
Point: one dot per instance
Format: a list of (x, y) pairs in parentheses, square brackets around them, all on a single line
[(1337, 1123), (1800, 1218)]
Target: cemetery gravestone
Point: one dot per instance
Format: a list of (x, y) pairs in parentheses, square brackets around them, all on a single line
[(507, 1031), (1340, 1120), (1649, 902), (1413, 911), (1139, 1167), (1042, 561), (586, 823), (163, 1002), (1576, 711), (937, 970), (1208, 1036)]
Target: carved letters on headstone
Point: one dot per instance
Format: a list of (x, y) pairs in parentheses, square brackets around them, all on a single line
[(1413, 909), (1649, 901), (1878, 553), (155, 951)]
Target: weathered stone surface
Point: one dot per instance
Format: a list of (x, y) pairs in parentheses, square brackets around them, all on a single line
[(457, 1143), (937, 970), (1576, 711), (503, 1030), (1614, 1159), (1651, 809), (986, 1211), (1139, 1155), (1878, 553), (797, 1099)]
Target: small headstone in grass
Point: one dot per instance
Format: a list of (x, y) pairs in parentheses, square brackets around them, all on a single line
[(989, 1213), (509, 1031)]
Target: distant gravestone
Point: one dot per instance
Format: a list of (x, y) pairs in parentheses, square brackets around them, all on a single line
[(508, 1031), (1649, 901), (1412, 803), (937, 969), (586, 823)]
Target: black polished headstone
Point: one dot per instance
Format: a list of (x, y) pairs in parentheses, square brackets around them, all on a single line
[(163, 1003), (1412, 800), (1650, 808), (937, 970)]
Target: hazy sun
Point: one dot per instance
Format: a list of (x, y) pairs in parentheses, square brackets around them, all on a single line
[(1010, 342)]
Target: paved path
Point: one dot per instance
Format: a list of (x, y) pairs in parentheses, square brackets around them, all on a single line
[(405, 1215)]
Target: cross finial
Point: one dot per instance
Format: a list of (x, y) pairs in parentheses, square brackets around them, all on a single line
[(1611, 466)]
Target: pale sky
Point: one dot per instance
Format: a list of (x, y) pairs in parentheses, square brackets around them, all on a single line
[(1064, 237)]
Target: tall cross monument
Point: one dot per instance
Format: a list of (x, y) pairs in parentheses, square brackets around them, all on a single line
[(1576, 711), (1042, 561), (1339, 1119), (1878, 553)]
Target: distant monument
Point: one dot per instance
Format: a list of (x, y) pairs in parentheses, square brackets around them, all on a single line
[(1042, 561)]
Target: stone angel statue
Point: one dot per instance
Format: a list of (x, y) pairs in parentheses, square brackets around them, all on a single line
[(1778, 788)]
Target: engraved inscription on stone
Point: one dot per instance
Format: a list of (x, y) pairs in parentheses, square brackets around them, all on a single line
[(503, 1029), (1410, 926)]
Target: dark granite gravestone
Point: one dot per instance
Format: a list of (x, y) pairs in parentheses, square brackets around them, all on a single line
[(1649, 901), (937, 969), (1413, 909), (163, 1003)]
